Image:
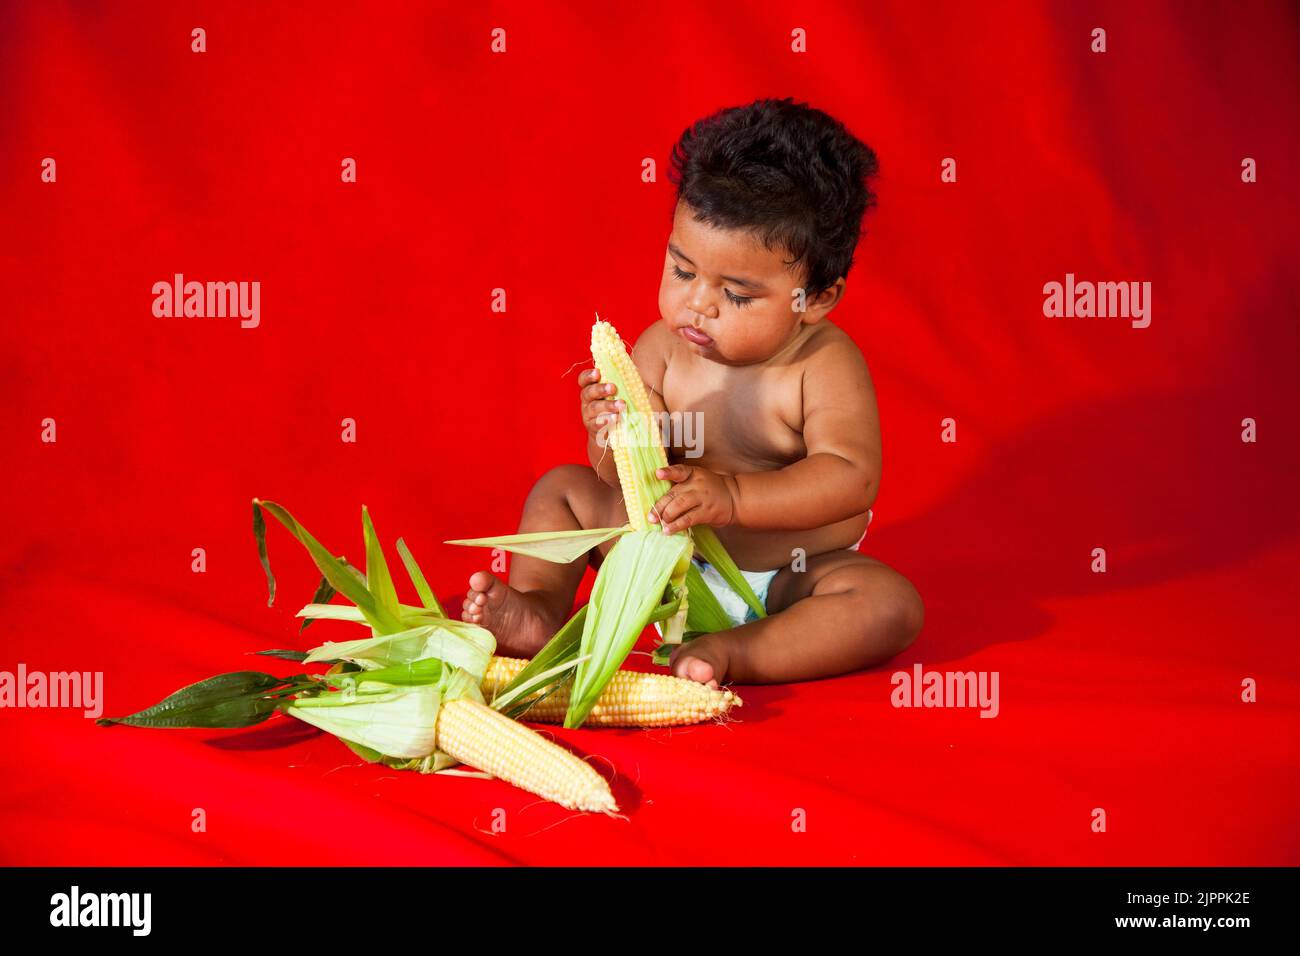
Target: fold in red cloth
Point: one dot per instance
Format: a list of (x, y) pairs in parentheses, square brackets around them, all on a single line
[(128, 550)]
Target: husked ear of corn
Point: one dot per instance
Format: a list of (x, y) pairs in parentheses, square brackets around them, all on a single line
[(634, 439), (487, 740), (630, 699), (638, 452)]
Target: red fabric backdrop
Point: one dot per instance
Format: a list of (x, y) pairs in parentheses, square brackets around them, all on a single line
[(521, 171)]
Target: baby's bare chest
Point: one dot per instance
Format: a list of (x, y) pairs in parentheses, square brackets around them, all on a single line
[(734, 422)]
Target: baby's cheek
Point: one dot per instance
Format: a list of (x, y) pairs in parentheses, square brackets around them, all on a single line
[(669, 307)]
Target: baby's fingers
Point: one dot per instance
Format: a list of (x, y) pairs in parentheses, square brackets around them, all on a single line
[(594, 393), (598, 410), (672, 504), (680, 515)]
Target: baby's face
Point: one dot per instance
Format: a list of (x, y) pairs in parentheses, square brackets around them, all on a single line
[(728, 296)]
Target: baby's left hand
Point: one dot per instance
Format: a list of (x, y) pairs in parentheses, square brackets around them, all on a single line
[(698, 496)]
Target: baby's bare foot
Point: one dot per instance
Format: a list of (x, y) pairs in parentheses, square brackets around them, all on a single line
[(702, 659), (517, 620)]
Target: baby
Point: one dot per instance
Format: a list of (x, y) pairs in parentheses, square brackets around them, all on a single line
[(770, 200)]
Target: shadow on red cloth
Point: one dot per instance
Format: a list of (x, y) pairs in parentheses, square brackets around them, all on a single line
[(1155, 494)]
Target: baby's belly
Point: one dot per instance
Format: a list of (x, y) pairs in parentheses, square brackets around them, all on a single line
[(763, 550)]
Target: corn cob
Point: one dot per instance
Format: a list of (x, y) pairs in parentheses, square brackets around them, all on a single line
[(486, 740), (630, 699), (635, 438), (632, 579)]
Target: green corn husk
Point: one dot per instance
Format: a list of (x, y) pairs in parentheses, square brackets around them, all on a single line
[(392, 720), (415, 659), (458, 643), (628, 590), (558, 547), (712, 551), (706, 612), (705, 616), (417, 579)]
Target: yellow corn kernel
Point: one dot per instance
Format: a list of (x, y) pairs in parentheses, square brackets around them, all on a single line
[(489, 741), (630, 699), (635, 438)]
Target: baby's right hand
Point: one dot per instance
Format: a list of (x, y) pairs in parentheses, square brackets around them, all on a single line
[(599, 406)]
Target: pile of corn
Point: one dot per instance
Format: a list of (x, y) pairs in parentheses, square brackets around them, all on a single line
[(424, 692)]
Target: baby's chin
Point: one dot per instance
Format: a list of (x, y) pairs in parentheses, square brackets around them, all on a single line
[(710, 353)]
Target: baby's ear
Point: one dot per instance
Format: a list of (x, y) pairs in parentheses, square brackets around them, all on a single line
[(822, 303)]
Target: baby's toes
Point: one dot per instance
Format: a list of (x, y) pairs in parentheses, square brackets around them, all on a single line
[(486, 588), (702, 671), (471, 609), (694, 665)]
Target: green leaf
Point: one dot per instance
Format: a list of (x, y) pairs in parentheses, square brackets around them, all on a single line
[(259, 533), (458, 643), (324, 592), (559, 547), (337, 572), (712, 551), (365, 753), (520, 709), (356, 572), (399, 675), (378, 579), (628, 588), (663, 652), (298, 656), (457, 684), (380, 651), (563, 646), (417, 578), (238, 699), (410, 616), (669, 607), (543, 685), (703, 611), (332, 612)]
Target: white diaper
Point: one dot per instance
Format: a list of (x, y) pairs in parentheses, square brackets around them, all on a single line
[(732, 603)]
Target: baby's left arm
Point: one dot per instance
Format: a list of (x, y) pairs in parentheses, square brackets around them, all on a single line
[(838, 478)]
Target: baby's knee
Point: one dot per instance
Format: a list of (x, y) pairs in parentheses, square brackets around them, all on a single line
[(894, 613), (909, 614), (563, 481), (589, 498), (905, 614)]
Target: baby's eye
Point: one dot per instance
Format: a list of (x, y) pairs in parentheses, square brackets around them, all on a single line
[(739, 301)]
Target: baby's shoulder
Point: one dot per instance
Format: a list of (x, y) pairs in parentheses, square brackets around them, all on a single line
[(650, 353), (656, 340), (829, 348)]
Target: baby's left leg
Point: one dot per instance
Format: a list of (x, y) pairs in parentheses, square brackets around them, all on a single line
[(845, 611)]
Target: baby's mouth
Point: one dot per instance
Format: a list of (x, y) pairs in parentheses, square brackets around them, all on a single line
[(695, 335)]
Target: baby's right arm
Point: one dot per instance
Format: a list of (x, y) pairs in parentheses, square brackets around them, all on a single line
[(600, 406)]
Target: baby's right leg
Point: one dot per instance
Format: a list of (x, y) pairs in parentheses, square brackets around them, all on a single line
[(527, 612)]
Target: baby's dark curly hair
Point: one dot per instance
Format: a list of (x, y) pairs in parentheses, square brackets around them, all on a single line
[(790, 173)]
